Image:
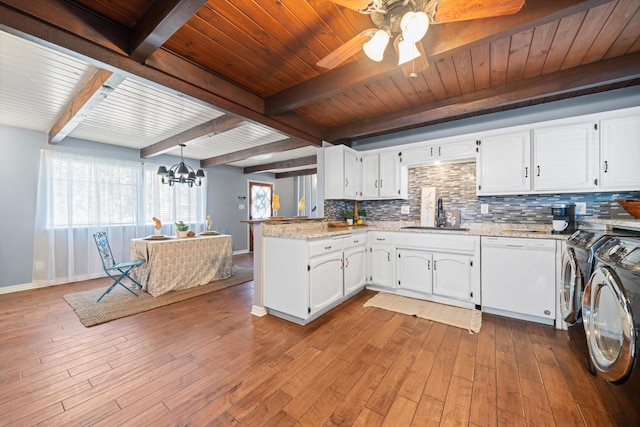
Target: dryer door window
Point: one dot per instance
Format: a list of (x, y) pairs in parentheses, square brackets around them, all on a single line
[(608, 323), (571, 288)]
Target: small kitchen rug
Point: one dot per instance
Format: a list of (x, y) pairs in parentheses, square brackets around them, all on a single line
[(120, 303), (464, 318)]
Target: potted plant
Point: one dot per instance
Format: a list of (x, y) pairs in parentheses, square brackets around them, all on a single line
[(362, 216), (182, 228), (348, 215)]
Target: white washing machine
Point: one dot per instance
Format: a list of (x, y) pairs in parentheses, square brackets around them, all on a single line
[(611, 317)]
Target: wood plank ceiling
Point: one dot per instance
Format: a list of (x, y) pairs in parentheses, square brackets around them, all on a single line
[(252, 63)]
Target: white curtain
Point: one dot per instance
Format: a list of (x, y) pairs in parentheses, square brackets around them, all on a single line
[(81, 195)]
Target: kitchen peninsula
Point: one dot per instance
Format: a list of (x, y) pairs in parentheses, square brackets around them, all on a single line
[(306, 269)]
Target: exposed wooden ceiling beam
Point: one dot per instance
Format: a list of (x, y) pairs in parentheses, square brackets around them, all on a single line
[(441, 40), (293, 174), (163, 18), (285, 164), (162, 69), (101, 84), (595, 74), (283, 145), (212, 127)]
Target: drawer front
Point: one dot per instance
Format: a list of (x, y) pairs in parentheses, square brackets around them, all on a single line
[(353, 241), (324, 246)]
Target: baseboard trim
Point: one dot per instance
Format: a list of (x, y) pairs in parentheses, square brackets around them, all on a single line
[(21, 287)]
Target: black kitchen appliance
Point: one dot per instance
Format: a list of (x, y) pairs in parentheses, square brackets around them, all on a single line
[(564, 218)]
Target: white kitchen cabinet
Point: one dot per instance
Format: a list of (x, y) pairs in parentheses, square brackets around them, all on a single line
[(414, 270), (355, 263), (452, 276), (518, 278), (325, 280), (620, 154), (503, 165), (380, 264), (445, 151), (341, 173), (383, 176), (565, 158)]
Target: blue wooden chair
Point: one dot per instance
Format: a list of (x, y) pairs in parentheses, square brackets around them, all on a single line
[(117, 271)]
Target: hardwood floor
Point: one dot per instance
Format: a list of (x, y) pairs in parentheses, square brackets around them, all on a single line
[(208, 361)]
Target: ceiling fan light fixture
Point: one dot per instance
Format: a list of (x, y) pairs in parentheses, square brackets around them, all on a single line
[(375, 47), (414, 26), (407, 51)]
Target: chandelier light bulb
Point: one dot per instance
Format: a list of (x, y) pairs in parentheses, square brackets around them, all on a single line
[(375, 47), (414, 26), (407, 51)]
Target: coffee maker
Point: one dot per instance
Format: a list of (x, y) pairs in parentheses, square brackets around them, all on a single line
[(564, 218)]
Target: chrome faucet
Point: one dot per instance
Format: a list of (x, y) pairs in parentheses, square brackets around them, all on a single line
[(439, 213)]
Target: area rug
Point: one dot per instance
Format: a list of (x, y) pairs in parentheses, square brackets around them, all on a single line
[(464, 318), (120, 303)]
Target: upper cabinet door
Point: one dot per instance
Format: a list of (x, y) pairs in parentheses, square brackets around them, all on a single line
[(389, 175), (503, 164), (352, 189), (341, 173), (370, 176), (458, 150), (565, 158), (620, 153)]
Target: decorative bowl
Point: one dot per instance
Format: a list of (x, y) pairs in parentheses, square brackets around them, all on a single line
[(632, 206)]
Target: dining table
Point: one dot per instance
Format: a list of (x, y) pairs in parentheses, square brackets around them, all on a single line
[(179, 263)]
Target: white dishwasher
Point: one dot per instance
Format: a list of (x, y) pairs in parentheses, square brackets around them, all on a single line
[(519, 278)]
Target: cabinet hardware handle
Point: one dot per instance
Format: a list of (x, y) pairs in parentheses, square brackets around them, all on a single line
[(526, 172), (346, 263), (606, 166), (595, 181), (439, 151), (346, 182), (434, 265), (538, 170), (389, 256), (428, 264), (380, 182), (356, 241), (327, 247), (376, 183), (380, 239), (431, 151), (470, 263)]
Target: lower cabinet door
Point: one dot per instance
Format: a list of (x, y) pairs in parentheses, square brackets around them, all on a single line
[(325, 281), (414, 269), (355, 273), (452, 276), (380, 265)]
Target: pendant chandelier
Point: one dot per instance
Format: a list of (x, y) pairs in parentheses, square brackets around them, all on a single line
[(181, 173)]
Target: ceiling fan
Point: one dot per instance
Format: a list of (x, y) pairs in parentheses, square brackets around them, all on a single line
[(407, 21)]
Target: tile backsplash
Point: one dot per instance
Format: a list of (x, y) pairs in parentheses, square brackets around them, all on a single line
[(456, 183)]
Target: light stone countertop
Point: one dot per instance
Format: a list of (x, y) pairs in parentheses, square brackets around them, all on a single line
[(322, 230), (607, 224)]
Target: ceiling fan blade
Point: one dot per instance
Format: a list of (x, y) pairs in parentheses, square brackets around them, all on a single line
[(415, 66), (347, 50), (356, 5), (464, 10)]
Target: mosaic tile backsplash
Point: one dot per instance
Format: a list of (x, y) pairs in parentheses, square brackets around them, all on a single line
[(456, 185)]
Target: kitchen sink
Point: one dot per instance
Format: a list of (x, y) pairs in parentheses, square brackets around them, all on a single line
[(417, 227)]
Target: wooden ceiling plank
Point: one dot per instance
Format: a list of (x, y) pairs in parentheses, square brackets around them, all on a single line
[(540, 45), (403, 87), (499, 60), (284, 164), (445, 39), (566, 32), (463, 66), (283, 145), (613, 70), (518, 54), (611, 30), (447, 72), (293, 174), (160, 22), (99, 86), (480, 58), (589, 30), (212, 127), (626, 39)]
